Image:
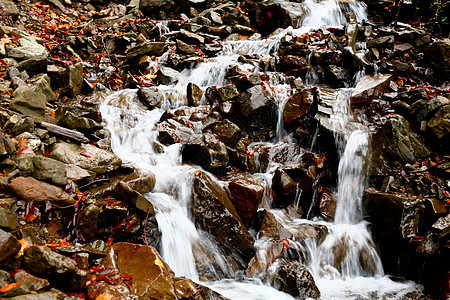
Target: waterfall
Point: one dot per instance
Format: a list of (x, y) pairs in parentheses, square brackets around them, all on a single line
[(345, 265)]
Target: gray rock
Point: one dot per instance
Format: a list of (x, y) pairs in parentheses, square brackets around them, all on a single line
[(74, 76), (426, 112), (151, 97), (146, 48), (86, 156), (41, 84), (9, 246), (28, 48), (184, 47), (70, 120), (439, 125), (8, 8), (34, 65), (46, 168), (42, 260), (168, 75), (258, 106), (25, 124), (75, 173), (228, 92), (29, 103)]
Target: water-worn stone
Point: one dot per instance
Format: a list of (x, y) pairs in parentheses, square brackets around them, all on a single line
[(272, 228), (9, 246), (168, 75), (370, 87), (295, 279), (394, 141), (42, 260), (70, 120), (214, 213), (278, 14), (151, 97), (87, 222), (265, 257), (124, 191), (246, 196), (40, 296), (30, 189), (43, 168), (171, 131), (228, 92), (194, 94), (86, 156)]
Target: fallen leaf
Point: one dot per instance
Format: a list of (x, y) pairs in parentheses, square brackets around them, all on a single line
[(9, 287), (159, 263), (104, 296)]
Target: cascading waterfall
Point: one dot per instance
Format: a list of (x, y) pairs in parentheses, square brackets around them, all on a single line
[(339, 263)]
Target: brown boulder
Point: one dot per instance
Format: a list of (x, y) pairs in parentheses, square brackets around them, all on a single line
[(246, 196), (370, 87), (297, 106), (30, 189), (9, 246)]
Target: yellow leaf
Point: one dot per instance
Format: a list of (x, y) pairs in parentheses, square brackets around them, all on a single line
[(159, 263), (104, 296)]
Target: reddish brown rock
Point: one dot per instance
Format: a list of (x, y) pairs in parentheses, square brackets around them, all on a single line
[(284, 187), (9, 246), (34, 282), (297, 106), (327, 205), (246, 197), (30, 189)]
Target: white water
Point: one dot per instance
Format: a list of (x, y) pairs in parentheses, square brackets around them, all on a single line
[(133, 139)]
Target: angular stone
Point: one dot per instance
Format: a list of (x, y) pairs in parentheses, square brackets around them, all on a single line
[(40, 296), (75, 173), (7, 219), (264, 258), (168, 75), (246, 196), (34, 66), (128, 194), (87, 222), (194, 94), (146, 48), (74, 75), (41, 84), (42, 260), (258, 106), (86, 156), (151, 97), (278, 14), (272, 228), (190, 37), (214, 213), (43, 168), (297, 106), (30, 189), (29, 103), (228, 92), (171, 131), (8, 8), (284, 187), (185, 48), (71, 121), (28, 48), (9, 246), (370, 87), (34, 282), (426, 112), (228, 132)]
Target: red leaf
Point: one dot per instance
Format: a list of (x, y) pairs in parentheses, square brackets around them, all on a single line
[(126, 277), (9, 287)]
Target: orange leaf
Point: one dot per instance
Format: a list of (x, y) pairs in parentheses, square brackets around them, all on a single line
[(29, 217), (110, 240), (104, 296), (197, 172), (9, 287)]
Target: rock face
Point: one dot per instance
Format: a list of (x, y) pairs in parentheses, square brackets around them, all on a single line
[(215, 214), (394, 141), (86, 156), (370, 87), (30, 189)]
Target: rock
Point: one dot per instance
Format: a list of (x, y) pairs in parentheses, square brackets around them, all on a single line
[(297, 106), (295, 279), (214, 213), (127, 193), (198, 154), (394, 141), (35, 283), (228, 92), (41, 84), (7, 219), (41, 260), (228, 132), (278, 14), (40, 296), (272, 228), (427, 111), (87, 222), (168, 75), (28, 48), (74, 77), (9, 246), (264, 257), (190, 37), (152, 277), (194, 94), (151, 97), (162, 9), (381, 41), (284, 187), (86, 156), (71, 121), (25, 124), (43, 168), (30, 189), (9, 8), (246, 196), (439, 125), (370, 87), (100, 290), (258, 107), (439, 51), (29, 103), (146, 48), (75, 173), (171, 131), (34, 66), (327, 205)]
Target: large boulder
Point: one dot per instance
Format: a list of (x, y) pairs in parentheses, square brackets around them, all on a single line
[(438, 54), (215, 213), (394, 141), (30, 189), (29, 103), (86, 156), (246, 195), (258, 107), (297, 106), (274, 14)]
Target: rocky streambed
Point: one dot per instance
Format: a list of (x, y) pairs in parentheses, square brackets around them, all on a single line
[(215, 150)]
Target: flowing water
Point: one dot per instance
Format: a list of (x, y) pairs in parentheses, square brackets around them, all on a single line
[(345, 265)]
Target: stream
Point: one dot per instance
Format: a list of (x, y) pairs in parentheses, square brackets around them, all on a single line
[(346, 265)]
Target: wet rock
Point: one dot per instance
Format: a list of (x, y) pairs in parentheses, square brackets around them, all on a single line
[(9, 246), (228, 92), (171, 131), (35, 283), (284, 187), (146, 48), (228, 132), (86, 156), (29, 103), (295, 279), (28, 48), (257, 106), (185, 48), (151, 97), (394, 141), (261, 261), (100, 289), (297, 106), (42, 260), (431, 107), (327, 205), (198, 154), (272, 228), (152, 277), (168, 75), (190, 37), (87, 222), (161, 9), (71, 81), (439, 125), (30, 189), (70, 120), (214, 213), (40, 296), (124, 191), (194, 94), (246, 196), (278, 14), (7, 219), (370, 87)]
